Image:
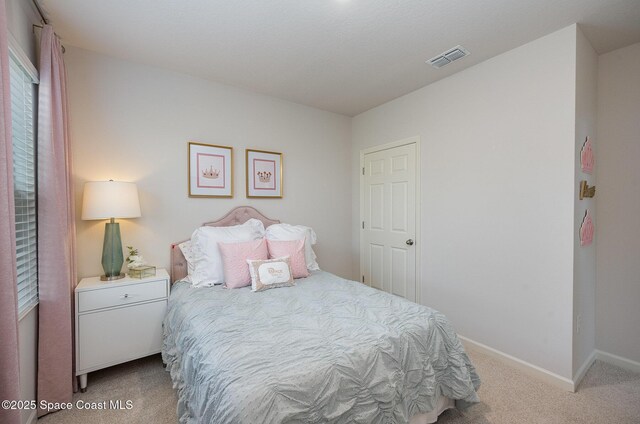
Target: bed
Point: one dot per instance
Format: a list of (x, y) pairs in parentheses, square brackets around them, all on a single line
[(325, 350)]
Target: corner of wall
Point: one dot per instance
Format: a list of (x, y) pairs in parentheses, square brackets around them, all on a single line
[(584, 284)]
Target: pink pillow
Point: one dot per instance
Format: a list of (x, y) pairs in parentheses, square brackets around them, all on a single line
[(294, 249), (234, 260)]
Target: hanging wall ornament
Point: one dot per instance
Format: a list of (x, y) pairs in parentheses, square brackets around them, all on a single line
[(586, 230), (586, 157)]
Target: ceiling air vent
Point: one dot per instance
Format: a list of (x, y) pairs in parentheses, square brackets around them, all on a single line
[(447, 57)]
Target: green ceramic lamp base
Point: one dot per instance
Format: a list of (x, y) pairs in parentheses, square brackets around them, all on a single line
[(112, 257), (115, 277)]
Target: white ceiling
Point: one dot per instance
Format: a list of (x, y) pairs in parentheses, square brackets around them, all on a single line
[(345, 56)]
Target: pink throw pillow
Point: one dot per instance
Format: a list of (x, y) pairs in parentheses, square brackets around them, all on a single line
[(234, 260), (294, 249)]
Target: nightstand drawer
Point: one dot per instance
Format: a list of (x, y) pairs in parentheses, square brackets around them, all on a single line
[(124, 295), (112, 336)]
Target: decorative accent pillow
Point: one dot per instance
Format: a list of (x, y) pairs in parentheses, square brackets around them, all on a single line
[(234, 259), (270, 274), (187, 252), (294, 249), (296, 232), (208, 269)]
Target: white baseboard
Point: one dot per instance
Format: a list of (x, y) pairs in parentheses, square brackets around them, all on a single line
[(619, 361), (577, 378), (529, 369)]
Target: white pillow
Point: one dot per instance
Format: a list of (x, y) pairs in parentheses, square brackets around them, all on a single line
[(208, 266), (288, 232), (187, 251)]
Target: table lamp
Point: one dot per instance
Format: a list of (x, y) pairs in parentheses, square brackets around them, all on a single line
[(110, 200)]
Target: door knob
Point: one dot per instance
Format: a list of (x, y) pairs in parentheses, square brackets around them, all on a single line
[(409, 242)]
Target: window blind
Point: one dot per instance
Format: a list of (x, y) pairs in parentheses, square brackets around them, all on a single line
[(23, 92)]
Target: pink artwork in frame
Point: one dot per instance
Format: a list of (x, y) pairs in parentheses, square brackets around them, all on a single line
[(586, 230), (264, 174), (210, 169), (587, 158)]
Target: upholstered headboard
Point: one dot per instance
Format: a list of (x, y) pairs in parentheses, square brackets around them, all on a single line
[(237, 216)]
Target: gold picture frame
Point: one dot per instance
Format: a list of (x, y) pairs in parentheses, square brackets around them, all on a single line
[(263, 173), (209, 170)]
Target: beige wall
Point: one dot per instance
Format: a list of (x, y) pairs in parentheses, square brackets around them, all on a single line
[(618, 227), (132, 122), (497, 158), (21, 15)]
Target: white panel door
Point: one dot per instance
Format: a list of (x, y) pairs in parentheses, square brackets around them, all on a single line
[(388, 254)]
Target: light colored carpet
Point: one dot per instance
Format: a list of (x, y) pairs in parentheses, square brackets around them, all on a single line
[(608, 394), (145, 382)]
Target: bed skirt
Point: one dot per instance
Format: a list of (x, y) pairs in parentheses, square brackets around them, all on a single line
[(443, 404)]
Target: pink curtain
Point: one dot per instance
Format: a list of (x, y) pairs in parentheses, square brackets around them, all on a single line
[(9, 358), (56, 229)]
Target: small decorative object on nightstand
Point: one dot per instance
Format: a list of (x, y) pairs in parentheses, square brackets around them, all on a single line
[(118, 321), (142, 271), (137, 266)]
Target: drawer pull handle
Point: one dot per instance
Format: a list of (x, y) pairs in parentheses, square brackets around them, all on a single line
[(126, 296)]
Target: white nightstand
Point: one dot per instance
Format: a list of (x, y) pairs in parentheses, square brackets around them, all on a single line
[(118, 321)]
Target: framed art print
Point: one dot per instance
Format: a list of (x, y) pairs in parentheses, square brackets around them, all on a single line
[(210, 170), (264, 174)]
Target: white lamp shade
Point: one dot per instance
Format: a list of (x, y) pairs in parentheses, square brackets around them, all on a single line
[(110, 199)]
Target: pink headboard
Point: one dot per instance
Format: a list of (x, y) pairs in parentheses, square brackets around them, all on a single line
[(237, 216)]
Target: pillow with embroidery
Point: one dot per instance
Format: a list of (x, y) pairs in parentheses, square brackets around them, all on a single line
[(270, 273)]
